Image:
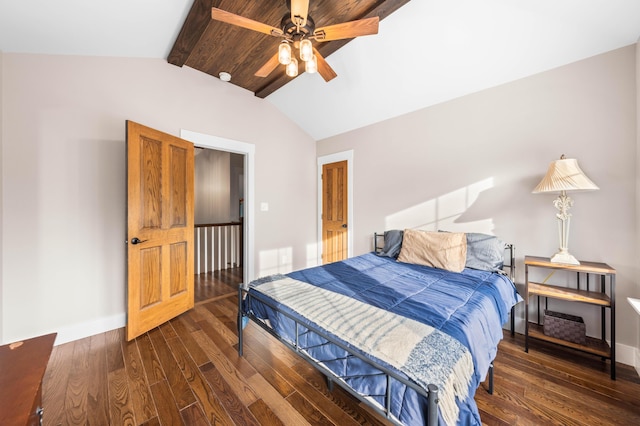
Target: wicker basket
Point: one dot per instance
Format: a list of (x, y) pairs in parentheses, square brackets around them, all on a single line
[(565, 327)]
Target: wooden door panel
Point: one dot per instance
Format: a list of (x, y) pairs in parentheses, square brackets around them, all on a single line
[(160, 214), (334, 212), (178, 272), (151, 184), (178, 187)]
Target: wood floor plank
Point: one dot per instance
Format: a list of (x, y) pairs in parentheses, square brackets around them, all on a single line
[(266, 370), (180, 388), (193, 416), (139, 390), (280, 407), (150, 361), (184, 327), (55, 383), (263, 413), (114, 340), (121, 411), (166, 404), (97, 389), (308, 410), (230, 397), (211, 406), (226, 369), (221, 352), (75, 402), (230, 336)]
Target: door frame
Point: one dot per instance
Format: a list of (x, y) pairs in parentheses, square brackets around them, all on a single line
[(248, 150), (328, 159)]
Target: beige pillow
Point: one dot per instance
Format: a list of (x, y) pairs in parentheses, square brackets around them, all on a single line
[(444, 250)]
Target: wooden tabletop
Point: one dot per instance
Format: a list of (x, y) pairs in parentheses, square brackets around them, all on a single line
[(22, 367), (591, 267)]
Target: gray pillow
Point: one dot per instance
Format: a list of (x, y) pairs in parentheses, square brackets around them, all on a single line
[(484, 252), (392, 243)]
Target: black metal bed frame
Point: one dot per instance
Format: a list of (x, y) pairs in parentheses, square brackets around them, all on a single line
[(431, 393)]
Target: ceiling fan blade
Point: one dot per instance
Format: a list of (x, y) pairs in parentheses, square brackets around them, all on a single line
[(351, 29), (299, 11), (324, 69), (268, 68), (240, 21)]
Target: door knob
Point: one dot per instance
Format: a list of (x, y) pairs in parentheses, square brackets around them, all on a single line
[(344, 225), (136, 240)]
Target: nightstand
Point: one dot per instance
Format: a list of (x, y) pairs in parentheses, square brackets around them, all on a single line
[(592, 293)]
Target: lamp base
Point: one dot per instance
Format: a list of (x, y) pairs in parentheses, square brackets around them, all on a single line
[(563, 256)]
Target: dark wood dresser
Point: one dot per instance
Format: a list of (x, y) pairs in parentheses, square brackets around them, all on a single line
[(22, 367)]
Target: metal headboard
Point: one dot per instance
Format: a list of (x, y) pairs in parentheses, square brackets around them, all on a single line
[(509, 260)]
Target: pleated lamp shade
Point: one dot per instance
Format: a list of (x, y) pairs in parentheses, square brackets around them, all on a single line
[(565, 175)]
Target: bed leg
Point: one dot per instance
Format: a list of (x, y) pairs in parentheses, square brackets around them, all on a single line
[(329, 384), (513, 321), (240, 340), (432, 413), (491, 379)]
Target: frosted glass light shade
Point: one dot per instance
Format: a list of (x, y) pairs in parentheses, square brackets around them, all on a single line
[(311, 65), (565, 175), (284, 53), (292, 68), (306, 50)]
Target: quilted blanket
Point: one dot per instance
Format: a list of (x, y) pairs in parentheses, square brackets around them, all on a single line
[(424, 354)]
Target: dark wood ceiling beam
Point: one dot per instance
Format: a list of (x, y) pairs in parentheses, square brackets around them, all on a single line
[(194, 26), (382, 9)]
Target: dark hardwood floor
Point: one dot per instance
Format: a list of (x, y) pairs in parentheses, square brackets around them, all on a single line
[(212, 285), (188, 371)]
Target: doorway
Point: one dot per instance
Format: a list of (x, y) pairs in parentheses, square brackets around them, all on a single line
[(216, 284), (327, 160), (218, 223)]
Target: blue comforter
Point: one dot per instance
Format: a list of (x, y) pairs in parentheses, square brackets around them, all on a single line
[(470, 306)]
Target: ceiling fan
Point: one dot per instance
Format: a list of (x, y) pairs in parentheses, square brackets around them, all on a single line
[(297, 28)]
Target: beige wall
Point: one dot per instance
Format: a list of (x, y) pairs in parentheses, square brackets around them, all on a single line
[(471, 164), (2, 299), (212, 187), (64, 189), (636, 294)]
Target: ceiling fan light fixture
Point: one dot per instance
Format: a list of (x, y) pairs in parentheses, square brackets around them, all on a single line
[(311, 66), (292, 68), (306, 50), (284, 53)]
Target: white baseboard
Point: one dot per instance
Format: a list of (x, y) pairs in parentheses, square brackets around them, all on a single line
[(80, 331), (627, 355)]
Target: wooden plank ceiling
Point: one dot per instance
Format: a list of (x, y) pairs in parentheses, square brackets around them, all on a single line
[(213, 47)]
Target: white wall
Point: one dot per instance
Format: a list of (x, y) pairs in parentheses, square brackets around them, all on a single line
[(64, 187), (636, 294), (471, 164), (2, 299), (212, 187)]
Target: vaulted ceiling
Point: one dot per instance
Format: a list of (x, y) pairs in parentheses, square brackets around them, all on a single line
[(426, 51), (213, 47)]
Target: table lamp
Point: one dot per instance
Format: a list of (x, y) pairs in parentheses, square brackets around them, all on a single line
[(564, 175)]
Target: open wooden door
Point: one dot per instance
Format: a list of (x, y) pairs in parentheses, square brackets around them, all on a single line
[(334, 212), (160, 228)]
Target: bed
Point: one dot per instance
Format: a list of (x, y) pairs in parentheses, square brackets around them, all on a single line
[(410, 328)]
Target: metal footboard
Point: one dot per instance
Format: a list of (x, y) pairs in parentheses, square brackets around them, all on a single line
[(431, 393)]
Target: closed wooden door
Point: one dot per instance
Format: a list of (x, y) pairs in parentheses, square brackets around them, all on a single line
[(334, 212), (160, 277)]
